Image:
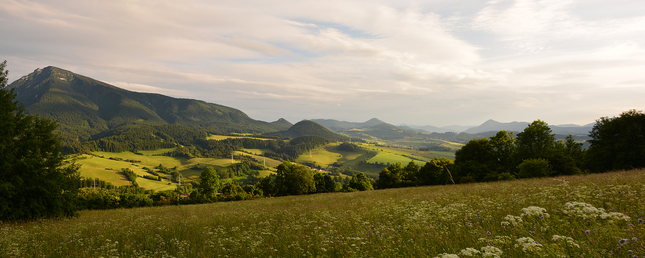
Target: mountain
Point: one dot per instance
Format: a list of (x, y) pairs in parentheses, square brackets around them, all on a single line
[(338, 126), (282, 124), (84, 107), (382, 131), (492, 125), (435, 129), (307, 127)]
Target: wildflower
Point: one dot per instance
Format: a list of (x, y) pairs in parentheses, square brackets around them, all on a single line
[(469, 252), (623, 241), (488, 232), (634, 239), (528, 244), (588, 232), (534, 211), (640, 221), (566, 239), (491, 251)]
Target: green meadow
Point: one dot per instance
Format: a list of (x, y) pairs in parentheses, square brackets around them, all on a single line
[(99, 165), (598, 215)]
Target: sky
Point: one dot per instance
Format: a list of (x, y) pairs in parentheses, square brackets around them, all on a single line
[(449, 62)]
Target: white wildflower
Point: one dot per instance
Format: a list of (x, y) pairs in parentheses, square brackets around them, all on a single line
[(445, 255), (528, 244), (534, 211), (566, 239), (469, 252), (514, 220), (615, 216), (491, 251), (587, 211)]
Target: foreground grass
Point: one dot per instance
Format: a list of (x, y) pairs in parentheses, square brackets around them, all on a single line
[(522, 218)]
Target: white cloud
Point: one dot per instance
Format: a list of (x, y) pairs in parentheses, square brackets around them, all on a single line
[(457, 62)]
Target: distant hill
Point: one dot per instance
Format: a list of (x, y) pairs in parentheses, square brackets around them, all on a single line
[(435, 129), (84, 107), (307, 127), (494, 126), (282, 124), (338, 126)]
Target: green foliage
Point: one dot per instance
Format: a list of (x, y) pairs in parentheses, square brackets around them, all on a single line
[(435, 172), (346, 146), (390, 177), (535, 141), (361, 182), (499, 157), (294, 179), (324, 183), (535, 168), (617, 142), (34, 180), (130, 175), (233, 192), (124, 197), (208, 183)]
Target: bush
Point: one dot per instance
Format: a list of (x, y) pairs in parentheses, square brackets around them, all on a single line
[(535, 168)]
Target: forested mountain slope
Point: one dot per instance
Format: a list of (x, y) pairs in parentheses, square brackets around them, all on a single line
[(84, 107)]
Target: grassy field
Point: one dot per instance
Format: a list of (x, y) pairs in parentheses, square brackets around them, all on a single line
[(597, 215), (328, 154), (99, 165)]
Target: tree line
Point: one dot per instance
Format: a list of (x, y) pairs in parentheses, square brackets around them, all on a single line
[(617, 143)]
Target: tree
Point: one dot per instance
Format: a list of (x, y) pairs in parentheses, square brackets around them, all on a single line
[(502, 148), (535, 168), (35, 181), (208, 183), (435, 172), (324, 183), (361, 182), (617, 142), (391, 176), (294, 179), (476, 159), (232, 192), (535, 141)]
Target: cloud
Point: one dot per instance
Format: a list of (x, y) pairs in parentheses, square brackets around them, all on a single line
[(413, 62), (150, 89)]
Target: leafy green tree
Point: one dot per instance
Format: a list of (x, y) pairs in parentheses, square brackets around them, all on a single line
[(617, 143), (476, 159), (410, 174), (294, 179), (502, 148), (535, 141), (35, 182), (266, 186), (232, 192), (435, 172), (208, 183), (535, 168), (324, 183), (361, 182), (391, 176)]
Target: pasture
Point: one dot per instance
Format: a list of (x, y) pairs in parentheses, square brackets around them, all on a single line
[(106, 165), (599, 215)]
